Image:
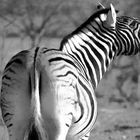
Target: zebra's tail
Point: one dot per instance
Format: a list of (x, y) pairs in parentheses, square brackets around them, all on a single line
[(36, 130)]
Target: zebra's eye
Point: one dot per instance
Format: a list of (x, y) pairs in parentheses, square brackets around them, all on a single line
[(132, 24)]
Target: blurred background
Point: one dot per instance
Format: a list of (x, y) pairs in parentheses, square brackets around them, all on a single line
[(24, 23)]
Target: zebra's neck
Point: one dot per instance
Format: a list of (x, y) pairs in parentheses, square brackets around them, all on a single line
[(98, 40), (93, 50)]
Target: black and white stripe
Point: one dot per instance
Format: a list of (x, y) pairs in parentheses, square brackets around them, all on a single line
[(69, 73), (39, 85), (95, 44)]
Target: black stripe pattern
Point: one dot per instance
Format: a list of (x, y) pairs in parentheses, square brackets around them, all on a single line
[(94, 45)]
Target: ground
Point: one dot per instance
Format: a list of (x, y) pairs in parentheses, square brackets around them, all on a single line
[(116, 123)]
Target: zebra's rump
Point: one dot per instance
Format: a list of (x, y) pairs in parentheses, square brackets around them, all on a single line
[(39, 86), (16, 94), (17, 91)]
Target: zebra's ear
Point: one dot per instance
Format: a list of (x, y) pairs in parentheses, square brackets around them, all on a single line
[(111, 17), (100, 6)]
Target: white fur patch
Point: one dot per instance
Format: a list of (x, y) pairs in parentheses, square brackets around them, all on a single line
[(103, 17)]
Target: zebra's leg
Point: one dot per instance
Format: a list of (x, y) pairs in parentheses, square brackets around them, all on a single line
[(58, 107), (86, 137), (64, 125), (66, 108)]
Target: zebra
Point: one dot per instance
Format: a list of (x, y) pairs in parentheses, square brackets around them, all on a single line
[(100, 39), (95, 44), (48, 94), (38, 102)]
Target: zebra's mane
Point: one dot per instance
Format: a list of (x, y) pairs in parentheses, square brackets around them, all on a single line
[(89, 20)]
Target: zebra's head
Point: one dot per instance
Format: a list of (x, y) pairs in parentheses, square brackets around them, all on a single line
[(131, 26), (125, 28)]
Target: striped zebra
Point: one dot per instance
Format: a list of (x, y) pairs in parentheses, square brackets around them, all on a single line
[(48, 94), (100, 39), (95, 44), (40, 97)]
